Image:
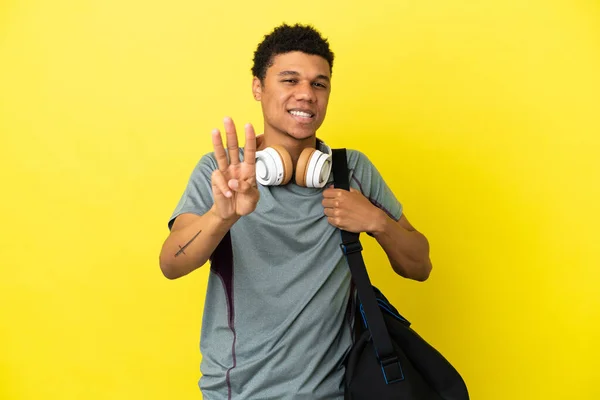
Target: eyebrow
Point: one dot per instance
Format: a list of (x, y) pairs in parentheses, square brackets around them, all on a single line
[(295, 73)]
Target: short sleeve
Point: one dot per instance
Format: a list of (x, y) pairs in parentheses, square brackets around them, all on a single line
[(366, 178), (197, 197)]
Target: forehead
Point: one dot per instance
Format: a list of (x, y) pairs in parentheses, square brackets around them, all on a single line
[(305, 64)]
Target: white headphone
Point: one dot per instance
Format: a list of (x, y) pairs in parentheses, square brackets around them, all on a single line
[(274, 167)]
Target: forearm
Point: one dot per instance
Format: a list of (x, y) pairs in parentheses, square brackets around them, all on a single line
[(189, 248), (407, 250)]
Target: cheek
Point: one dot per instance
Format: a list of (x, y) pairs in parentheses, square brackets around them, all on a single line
[(323, 101), (283, 99), (271, 105)]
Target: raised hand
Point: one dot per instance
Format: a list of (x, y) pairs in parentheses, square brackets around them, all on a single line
[(234, 182)]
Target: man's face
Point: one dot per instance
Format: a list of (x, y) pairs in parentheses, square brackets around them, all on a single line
[(294, 94)]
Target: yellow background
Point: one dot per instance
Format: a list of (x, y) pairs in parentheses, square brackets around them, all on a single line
[(481, 115)]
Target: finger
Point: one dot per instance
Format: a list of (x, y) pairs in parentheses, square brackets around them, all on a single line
[(250, 145), (332, 193), (333, 212), (330, 203), (219, 184), (232, 142), (334, 221), (219, 150)]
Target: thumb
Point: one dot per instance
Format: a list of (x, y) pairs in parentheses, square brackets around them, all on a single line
[(239, 186)]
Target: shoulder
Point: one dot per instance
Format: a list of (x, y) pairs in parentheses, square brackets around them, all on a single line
[(206, 163), (357, 160), (204, 167), (208, 159)]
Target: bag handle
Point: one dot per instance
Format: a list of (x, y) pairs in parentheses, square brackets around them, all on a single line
[(352, 249)]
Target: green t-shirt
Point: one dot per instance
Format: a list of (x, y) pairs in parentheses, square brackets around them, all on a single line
[(275, 322)]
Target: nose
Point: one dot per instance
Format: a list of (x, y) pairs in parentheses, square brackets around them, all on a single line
[(305, 91)]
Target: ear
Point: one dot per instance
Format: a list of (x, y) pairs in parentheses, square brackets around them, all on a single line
[(256, 88)]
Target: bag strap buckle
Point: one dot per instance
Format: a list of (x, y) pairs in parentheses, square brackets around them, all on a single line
[(352, 247), (392, 371)]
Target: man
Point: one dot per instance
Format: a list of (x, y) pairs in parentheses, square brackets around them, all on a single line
[(275, 323)]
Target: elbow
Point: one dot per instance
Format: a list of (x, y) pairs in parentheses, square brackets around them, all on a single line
[(424, 271), (417, 264), (168, 269), (173, 270), (418, 271), (166, 262), (423, 266)]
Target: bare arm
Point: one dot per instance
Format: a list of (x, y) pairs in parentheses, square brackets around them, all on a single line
[(191, 242), (194, 238), (407, 249)]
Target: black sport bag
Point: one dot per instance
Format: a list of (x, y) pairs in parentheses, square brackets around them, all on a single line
[(388, 359)]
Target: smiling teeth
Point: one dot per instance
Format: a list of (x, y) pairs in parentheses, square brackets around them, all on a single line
[(301, 114)]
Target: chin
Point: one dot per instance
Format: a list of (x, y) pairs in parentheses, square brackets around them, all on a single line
[(301, 134)]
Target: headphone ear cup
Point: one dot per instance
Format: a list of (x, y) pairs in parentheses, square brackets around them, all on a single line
[(288, 166), (273, 166), (302, 166), (318, 170)]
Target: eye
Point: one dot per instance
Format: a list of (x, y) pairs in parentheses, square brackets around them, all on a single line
[(289, 81), (320, 85)]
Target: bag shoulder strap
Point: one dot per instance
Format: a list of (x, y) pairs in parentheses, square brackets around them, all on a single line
[(352, 249)]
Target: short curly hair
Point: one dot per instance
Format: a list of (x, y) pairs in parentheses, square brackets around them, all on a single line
[(285, 39)]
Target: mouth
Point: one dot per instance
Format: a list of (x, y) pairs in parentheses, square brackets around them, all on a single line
[(302, 115)]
